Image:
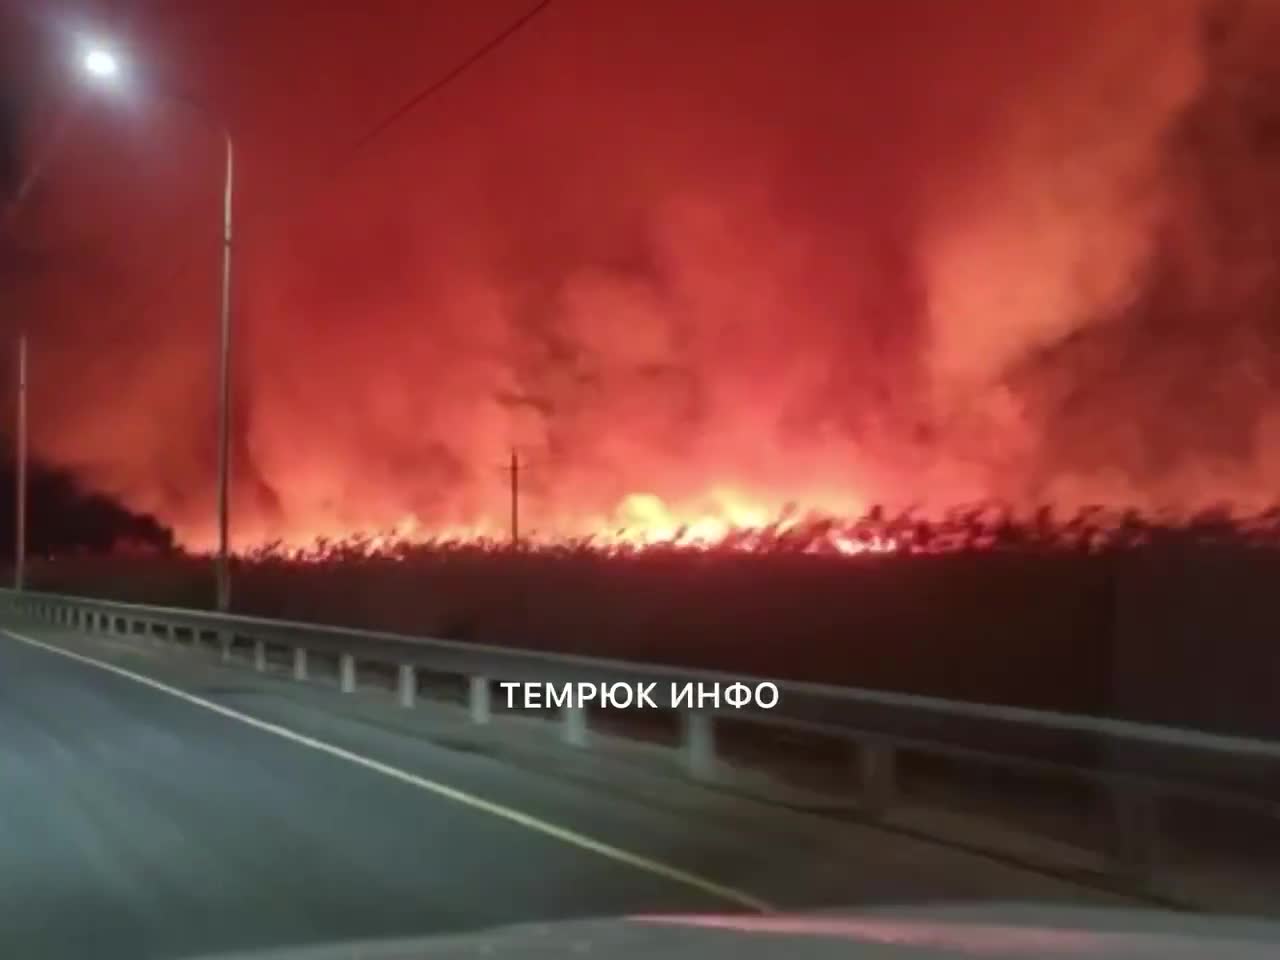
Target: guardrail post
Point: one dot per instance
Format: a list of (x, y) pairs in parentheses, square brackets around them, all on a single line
[(259, 656), (479, 700), (299, 663), (408, 684), (347, 673), (573, 726), (1135, 824), (698, 743), (876, 776), (224, 642)]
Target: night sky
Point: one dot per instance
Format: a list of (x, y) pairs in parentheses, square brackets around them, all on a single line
[(688, 256)]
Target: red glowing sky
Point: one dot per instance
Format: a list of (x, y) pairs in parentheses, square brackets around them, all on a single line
[(691, 258)]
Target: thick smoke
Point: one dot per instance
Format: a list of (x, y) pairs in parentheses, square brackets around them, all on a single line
[(714, 257)]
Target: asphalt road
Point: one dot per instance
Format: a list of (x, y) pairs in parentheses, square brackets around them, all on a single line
[(141, 822)]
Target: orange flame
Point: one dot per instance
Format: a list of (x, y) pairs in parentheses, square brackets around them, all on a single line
[(722, 520)]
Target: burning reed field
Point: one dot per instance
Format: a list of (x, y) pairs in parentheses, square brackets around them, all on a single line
[(1101, 612)]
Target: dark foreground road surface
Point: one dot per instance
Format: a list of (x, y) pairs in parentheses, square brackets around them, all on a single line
[(138, 823)]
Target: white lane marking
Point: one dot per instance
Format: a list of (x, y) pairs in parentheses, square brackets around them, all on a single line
[(563, 834)]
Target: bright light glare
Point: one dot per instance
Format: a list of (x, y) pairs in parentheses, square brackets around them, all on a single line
[(101, 63)]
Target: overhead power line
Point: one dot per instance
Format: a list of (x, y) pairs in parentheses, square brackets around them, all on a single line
[(431, 89)]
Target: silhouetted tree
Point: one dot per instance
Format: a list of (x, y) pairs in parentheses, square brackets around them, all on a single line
[(64, 519)]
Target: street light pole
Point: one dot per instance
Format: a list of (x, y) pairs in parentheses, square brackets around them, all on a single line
[(20, 478), (103, 65), (224, 388)]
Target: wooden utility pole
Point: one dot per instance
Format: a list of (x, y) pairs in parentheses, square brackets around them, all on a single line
[(20, 480), (515, 498)]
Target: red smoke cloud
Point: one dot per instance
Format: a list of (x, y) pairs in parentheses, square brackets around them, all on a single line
[(691, 259)]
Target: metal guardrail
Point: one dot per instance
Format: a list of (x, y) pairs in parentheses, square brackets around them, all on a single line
[(1137, 764)]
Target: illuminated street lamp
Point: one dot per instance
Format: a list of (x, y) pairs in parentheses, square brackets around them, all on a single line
[(104, 67), (101, 63)]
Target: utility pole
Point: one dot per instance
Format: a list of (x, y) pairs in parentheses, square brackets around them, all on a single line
[(20, 479), (224, 390), (515, 498)]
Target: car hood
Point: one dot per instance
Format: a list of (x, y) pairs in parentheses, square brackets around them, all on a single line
[(1009, 931)]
